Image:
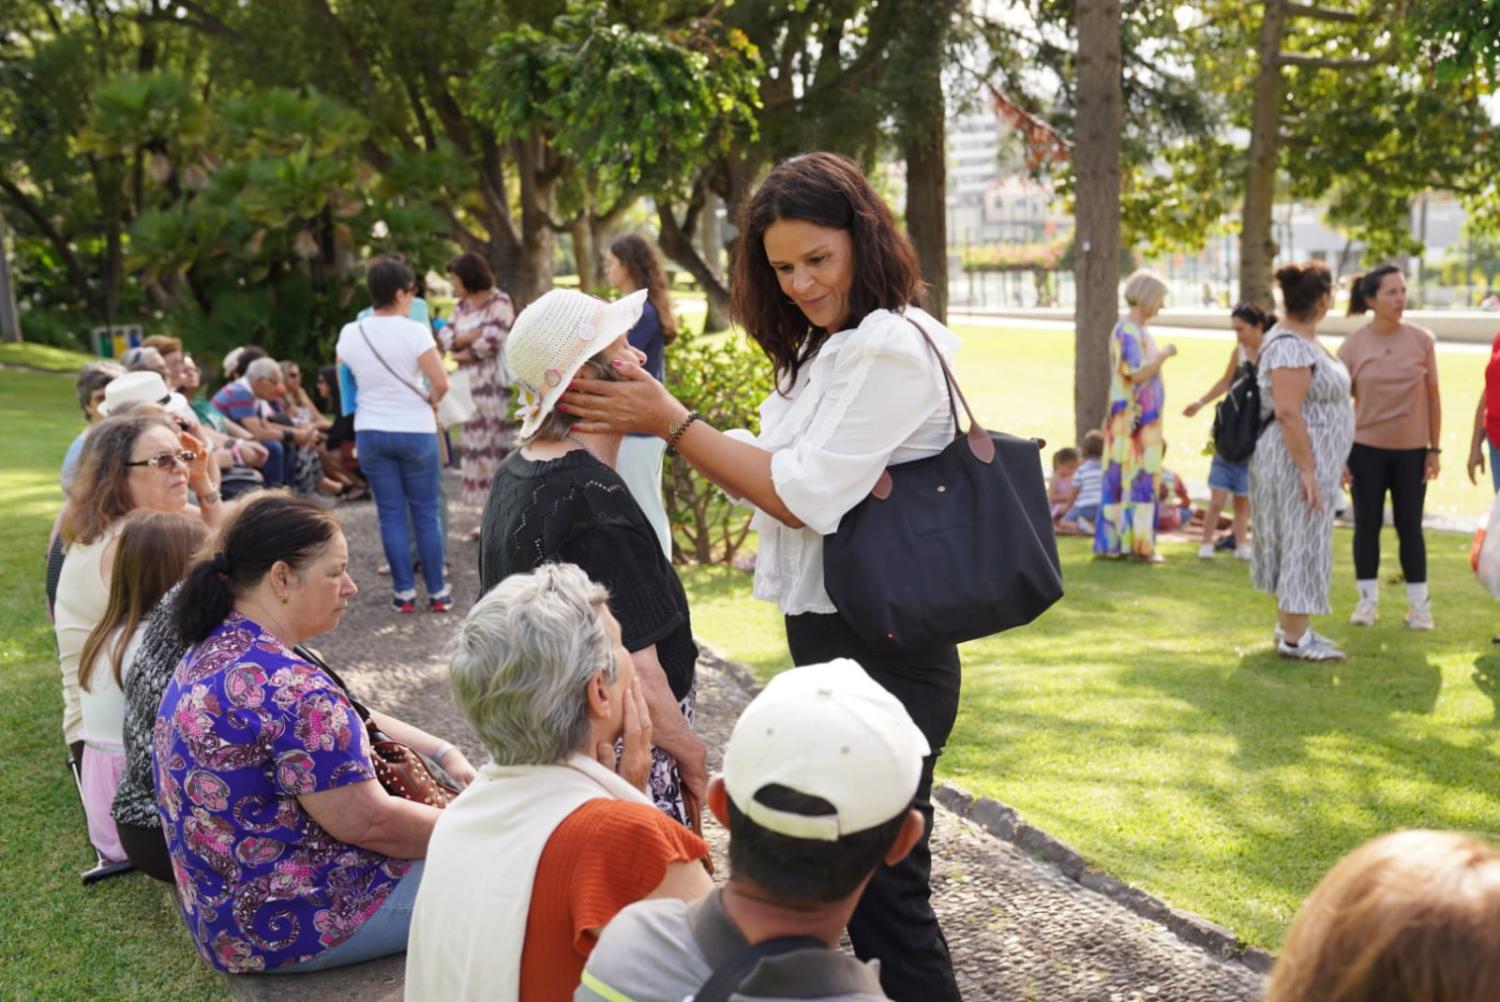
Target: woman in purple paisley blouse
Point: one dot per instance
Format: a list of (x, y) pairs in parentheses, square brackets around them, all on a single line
[(288, 853)]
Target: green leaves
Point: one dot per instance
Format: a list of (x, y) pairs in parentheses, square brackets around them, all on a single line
[(635, 107)]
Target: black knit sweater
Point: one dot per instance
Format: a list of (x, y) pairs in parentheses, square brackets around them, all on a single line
[(577, 510)]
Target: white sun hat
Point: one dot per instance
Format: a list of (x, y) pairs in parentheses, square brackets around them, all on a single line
[(827, 731), (553, 337), (143, 387)]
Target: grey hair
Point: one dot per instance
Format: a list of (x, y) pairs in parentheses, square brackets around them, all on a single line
[(95, 376), (262, 368), (556, 425), (521, 661)]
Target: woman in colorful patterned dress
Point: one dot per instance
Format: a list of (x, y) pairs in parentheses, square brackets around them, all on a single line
[(476, 336), (289, 855), (1132, 429)]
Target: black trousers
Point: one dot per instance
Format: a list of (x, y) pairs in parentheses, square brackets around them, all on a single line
[(1399, 471), (147, 849), (894, 920)]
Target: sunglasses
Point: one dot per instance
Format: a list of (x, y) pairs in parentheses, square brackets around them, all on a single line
[(166, 460)]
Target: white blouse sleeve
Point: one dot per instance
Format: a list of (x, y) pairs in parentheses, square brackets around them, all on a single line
[(877, 398)]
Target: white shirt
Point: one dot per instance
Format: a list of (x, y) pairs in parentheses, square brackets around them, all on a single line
[(386, 402), (872, 397), (103, 702), (468, 925), (82, 595)]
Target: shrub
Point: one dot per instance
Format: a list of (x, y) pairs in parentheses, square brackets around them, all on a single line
[(724, 378)]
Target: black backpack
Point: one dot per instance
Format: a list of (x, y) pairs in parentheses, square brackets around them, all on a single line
[(1237, 422)]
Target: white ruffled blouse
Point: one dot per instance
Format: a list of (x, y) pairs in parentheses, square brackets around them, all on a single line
[(872, 397)]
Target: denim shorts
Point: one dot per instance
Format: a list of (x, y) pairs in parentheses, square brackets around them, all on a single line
[(1232, 478), (1088, 511)]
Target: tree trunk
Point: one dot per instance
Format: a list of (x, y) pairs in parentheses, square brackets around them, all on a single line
[(921, 53), (10, 316), (710, 237), (674, 238), (1257, 245), (1096, 166), (531, 272), (586, 253), (927, 211)]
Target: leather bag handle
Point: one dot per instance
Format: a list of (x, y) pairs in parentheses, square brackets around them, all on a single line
[(979, 441)]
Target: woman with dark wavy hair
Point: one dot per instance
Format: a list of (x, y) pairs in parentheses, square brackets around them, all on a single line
[(828, 286)]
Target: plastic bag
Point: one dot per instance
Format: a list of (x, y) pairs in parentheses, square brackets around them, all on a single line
[(1484, 556)]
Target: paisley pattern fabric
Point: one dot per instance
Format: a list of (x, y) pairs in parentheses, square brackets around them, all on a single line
[(489, 435), (1132, 447), (243, 728)]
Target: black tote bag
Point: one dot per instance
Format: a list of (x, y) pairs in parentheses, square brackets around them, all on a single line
[(949, 548)]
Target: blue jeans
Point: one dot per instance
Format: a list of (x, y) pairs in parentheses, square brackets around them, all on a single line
[(381, 935), (403, 469), (275, 469), (1494, 472)]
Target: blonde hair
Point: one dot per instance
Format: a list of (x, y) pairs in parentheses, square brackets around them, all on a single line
[(1414, 915), (1145, 288)]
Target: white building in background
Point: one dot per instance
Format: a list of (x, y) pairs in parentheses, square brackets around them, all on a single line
[(988, 203)]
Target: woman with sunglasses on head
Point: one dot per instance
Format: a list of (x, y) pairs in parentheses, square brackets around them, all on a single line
[(139, 460), (395, 426), (829, 287)]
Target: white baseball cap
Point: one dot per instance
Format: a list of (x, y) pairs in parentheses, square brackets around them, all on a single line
[(553, 337), (827, 731), (143, 387)]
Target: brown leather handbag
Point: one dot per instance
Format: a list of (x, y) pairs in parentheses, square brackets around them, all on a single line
[(401, 769)]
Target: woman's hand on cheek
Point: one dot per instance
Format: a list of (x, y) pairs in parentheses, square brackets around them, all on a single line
[(635, 758), (636, 402)]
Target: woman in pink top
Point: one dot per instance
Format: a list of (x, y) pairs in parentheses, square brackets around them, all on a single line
[(1398, 420)]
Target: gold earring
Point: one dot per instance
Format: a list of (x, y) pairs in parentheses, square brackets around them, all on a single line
[(283, 599)]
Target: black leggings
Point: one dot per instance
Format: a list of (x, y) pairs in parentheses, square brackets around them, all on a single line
[(894, 920), (1399, 471)]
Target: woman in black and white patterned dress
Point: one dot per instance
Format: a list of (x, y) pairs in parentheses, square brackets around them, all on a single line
[(1294, 474)]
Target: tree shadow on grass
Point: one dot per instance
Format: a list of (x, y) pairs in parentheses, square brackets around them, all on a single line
[(1486, 679)]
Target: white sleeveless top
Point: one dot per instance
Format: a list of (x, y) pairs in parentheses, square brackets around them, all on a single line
[(82, 594)]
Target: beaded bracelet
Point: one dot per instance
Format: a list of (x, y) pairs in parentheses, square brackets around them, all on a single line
[(677, 431)]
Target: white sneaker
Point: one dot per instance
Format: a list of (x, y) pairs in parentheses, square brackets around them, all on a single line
[(1085, 526), (1366, 613), (1312, 647), (1419, 618), (1206, 551), (1244, 552)]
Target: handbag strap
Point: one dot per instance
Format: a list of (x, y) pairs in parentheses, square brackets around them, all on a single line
[(311, 657), (425, 398), (979, 441), (732, 973)]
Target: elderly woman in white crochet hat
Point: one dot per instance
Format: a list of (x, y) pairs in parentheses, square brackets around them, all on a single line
[(558, 498)]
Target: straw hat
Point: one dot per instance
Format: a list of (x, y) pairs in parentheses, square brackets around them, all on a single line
[(143, 387), (553, 337)]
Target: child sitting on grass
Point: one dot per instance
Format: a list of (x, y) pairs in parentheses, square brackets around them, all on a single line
[(1174, 509), (1088, 482), (1060, 488)]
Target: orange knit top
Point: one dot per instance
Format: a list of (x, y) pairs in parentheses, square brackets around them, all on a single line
[(605, 855)]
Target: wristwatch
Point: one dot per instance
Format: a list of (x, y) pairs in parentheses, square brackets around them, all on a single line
[(210, 497), (1434, 449)]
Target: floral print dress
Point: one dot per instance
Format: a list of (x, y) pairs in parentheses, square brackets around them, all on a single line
[(1132, 447), (244, 727), (488, 436)]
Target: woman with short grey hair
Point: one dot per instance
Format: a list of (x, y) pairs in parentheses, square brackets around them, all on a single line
[(554, 836)]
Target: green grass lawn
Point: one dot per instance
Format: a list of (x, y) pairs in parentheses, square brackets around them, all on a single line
[(121, 939), (1143, 720), (1146, 720)]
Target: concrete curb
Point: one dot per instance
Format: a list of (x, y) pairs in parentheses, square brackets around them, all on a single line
[(1005, 824)]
